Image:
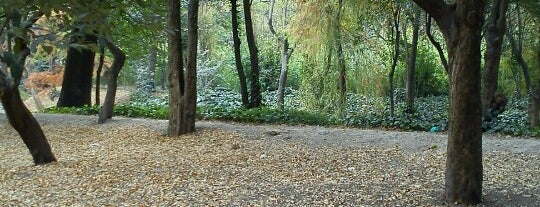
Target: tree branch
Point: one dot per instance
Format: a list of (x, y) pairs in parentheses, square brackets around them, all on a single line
[(440, 11), (436, 44)]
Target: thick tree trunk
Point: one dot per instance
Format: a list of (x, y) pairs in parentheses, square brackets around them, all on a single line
[(182, 91), (190, 96), (411, 64), (461, 24), (18, 115), (106, 111), (394, 60), (77, 82), (255, 98), (496, 26), (237, 55)]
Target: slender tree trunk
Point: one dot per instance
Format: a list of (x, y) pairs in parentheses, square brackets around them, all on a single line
[(255, 98), (496, 26), (17, 114), (77, 82), (436, 44), (461, 25), (152, 61), (411, 64), (394, 59), (238, 56), (341, 61), (182, 91), (285, 56), (106, 111), (286, 53), (98, 73)]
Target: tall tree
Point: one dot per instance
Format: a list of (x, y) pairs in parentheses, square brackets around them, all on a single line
[(182, 90), (411, 63), (496, 25), (255, 96), (341, 59), (286, 52), (461, 25), (396, 33), (237, 55), (18, 115), (77, 82)]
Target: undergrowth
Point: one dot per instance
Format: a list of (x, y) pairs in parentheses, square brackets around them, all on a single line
[(431, 113)]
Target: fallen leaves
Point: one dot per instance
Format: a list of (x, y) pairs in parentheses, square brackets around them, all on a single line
[(132, 165)]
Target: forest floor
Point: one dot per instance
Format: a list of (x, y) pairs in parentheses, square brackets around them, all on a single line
[(129, 162)]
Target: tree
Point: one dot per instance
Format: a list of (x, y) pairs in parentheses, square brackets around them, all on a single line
[(286, 52), (396, 33), (18, 115), (182, 89), (255, 96), (106, 111), (411, 63), (237, 55), (496, 25), (77, 82), (461, 25)]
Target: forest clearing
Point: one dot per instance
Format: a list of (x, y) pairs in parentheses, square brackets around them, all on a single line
[(129, 162)]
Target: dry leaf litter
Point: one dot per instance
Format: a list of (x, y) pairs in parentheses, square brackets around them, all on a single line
[(135, 165)]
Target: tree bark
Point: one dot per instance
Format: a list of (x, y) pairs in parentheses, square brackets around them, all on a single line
[(496, 26), (77, 82), (106, 111), (461, 25), (17, 114), (237, 55), (255, 98), (411, 64), (436, 44), (182, 90), (286, 53), (394, 59), (98, 73)]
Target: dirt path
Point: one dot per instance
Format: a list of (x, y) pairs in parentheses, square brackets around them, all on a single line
[(318, 135), (128, 162)]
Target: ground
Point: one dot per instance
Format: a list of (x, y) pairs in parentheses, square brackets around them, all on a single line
[(129, 162)]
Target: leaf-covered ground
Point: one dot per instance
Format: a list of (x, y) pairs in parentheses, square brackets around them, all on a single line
[(128, 162)]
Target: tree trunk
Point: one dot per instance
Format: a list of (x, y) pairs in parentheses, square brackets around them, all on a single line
[(394, 59), (461, 24), (411, 64), (517, 52), (98, 73), (106, 111), (77, 82), (436, 44), (496, 26), (286, 53), (152, 61), (17, 114), (341, 62), (255, 98), (285, 56), (182, 91), (238, 56)]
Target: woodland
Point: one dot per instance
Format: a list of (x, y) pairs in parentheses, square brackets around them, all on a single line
[(465, 69)]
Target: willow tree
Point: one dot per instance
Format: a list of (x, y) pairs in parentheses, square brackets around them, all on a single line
[(182, 87), (461, 24)]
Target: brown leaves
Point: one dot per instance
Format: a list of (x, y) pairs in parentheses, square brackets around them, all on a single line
[(133, 165)]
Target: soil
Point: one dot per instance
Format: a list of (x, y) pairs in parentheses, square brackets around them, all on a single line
[(130, 162)]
